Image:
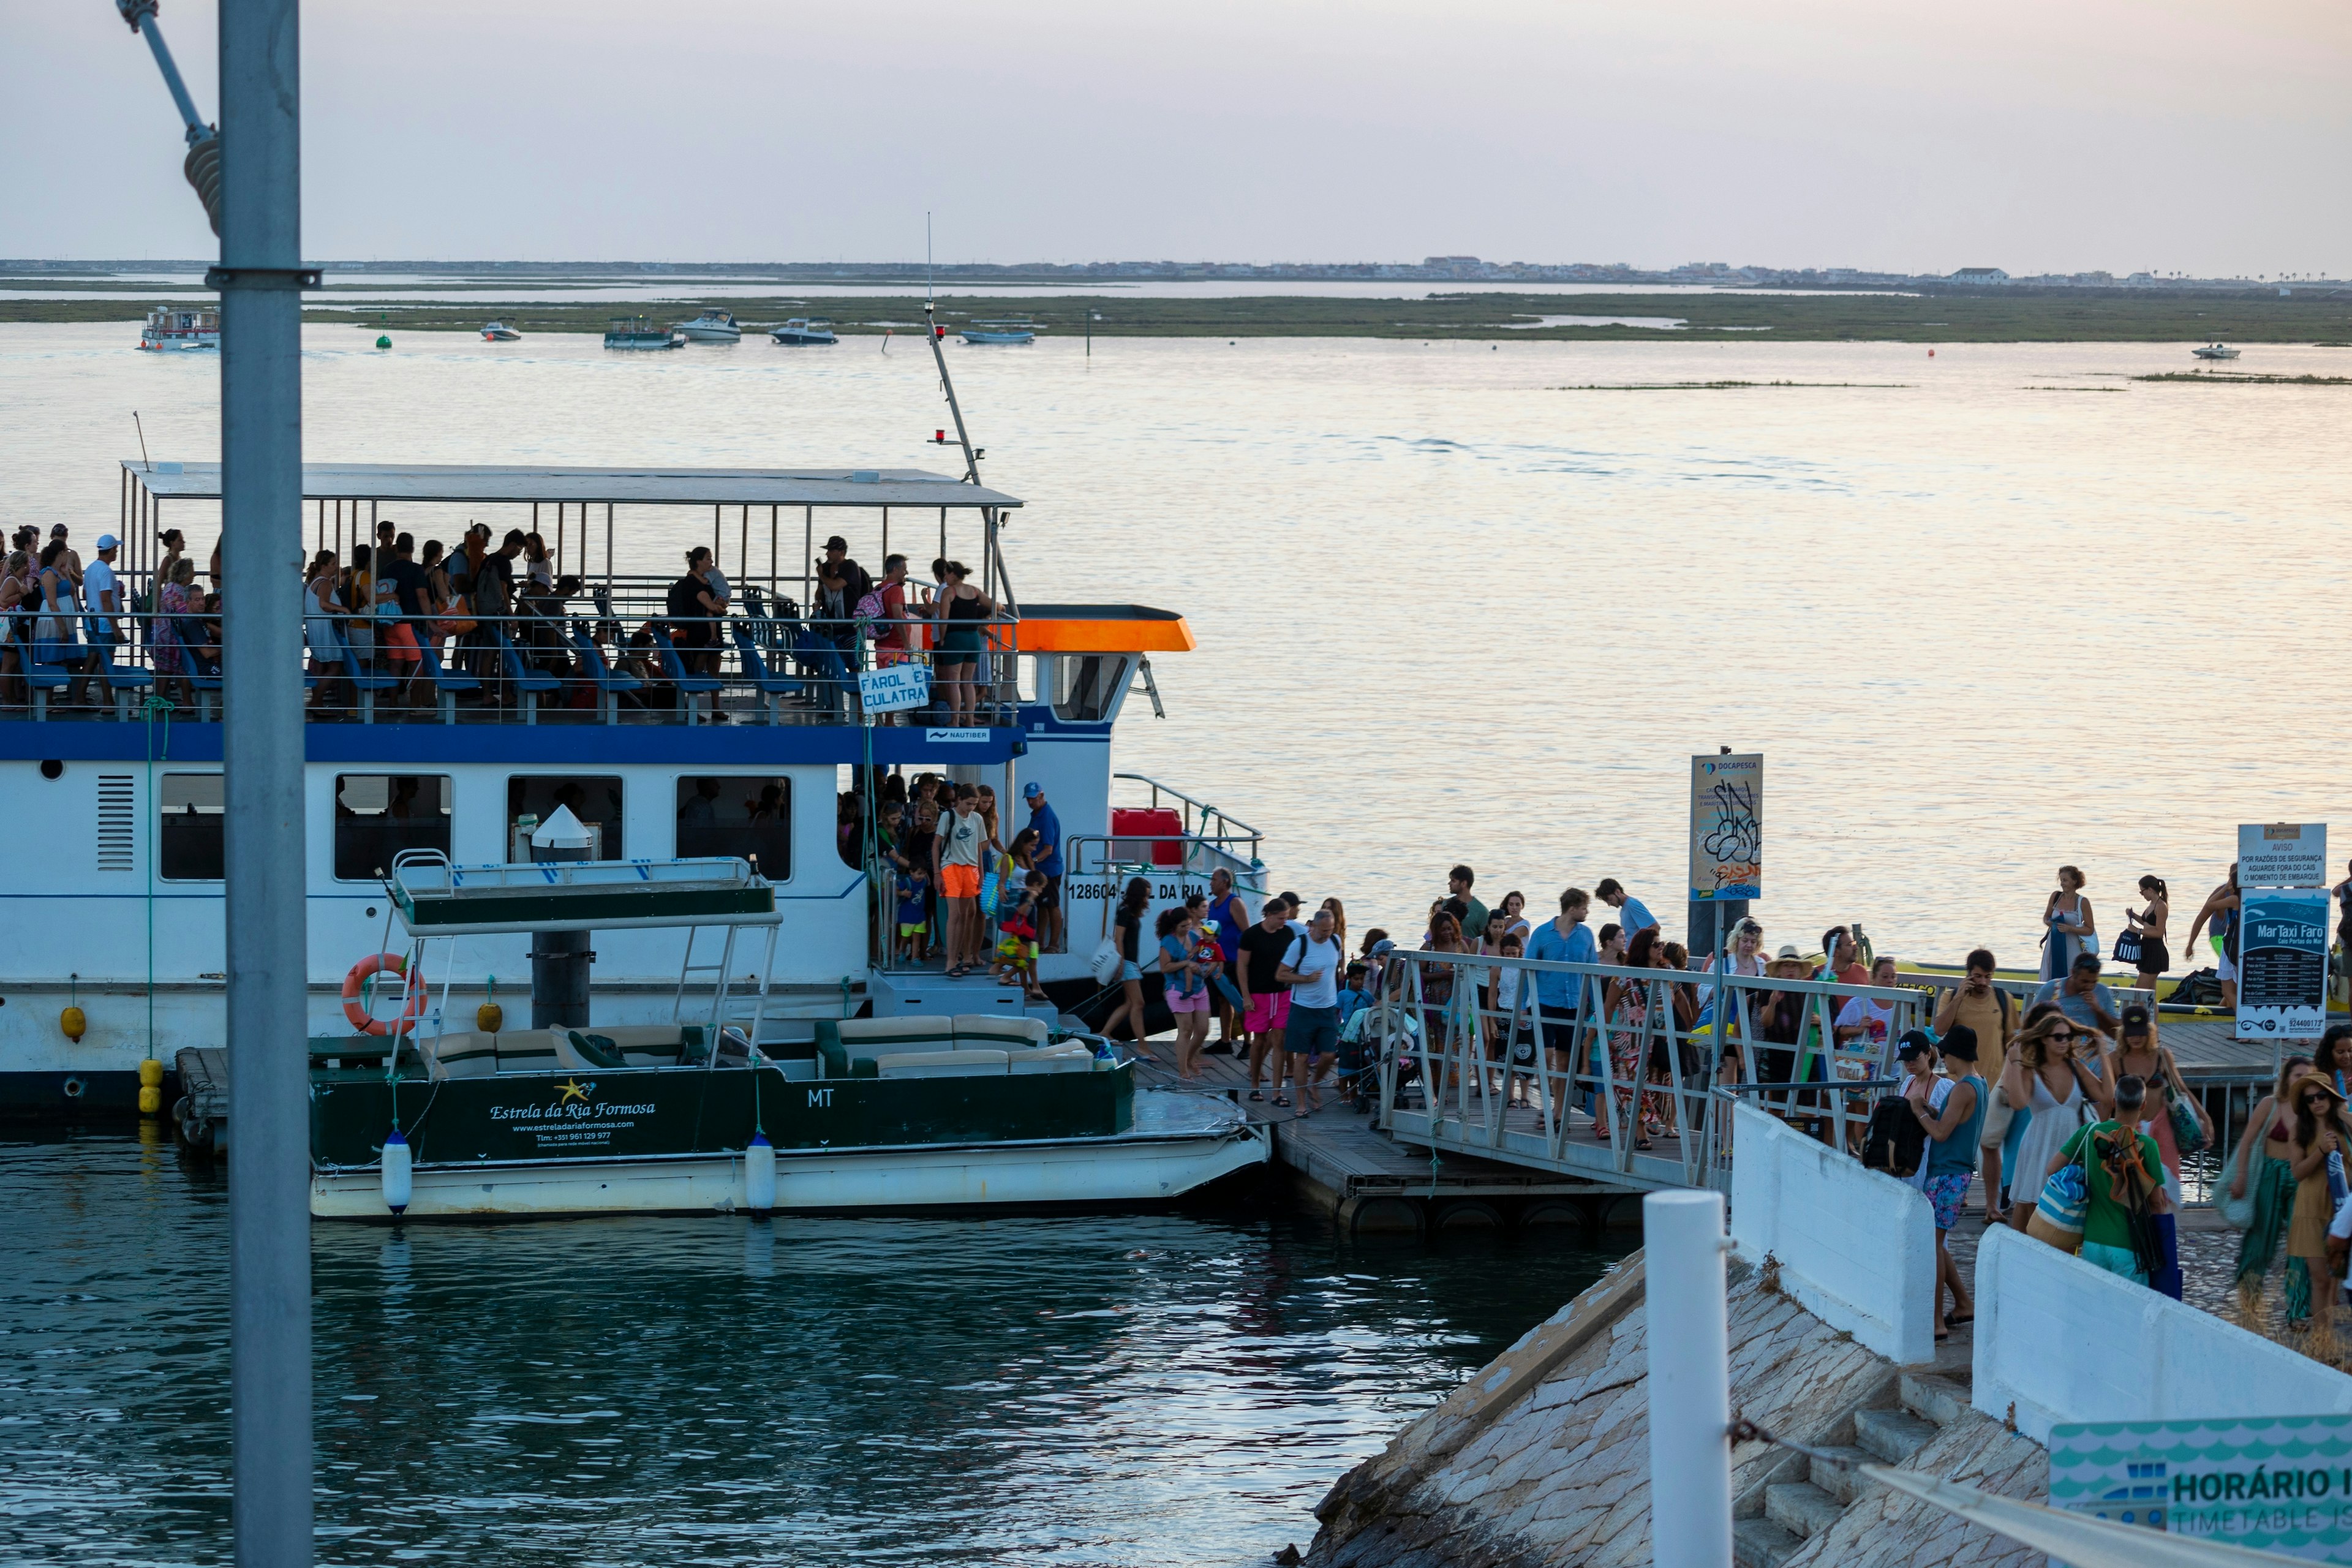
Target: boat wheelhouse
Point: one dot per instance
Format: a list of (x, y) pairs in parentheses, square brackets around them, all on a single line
[(443, 1111), (667, 733), (168, 328), (499, 332), (713, 326)]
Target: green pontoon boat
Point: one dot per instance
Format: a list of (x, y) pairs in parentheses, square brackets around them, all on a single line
[(725, 1109)]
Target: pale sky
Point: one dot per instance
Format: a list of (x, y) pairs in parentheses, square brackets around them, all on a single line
[(2207, 136)]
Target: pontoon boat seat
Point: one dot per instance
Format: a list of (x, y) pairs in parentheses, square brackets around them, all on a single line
[(987, 1030), (940, 1064), (120, 679), (446, 682), (610, 682), (528, 1050), (463, 1054), (695, 693), (647, 1045), (583, 1050), (1071, 1056)]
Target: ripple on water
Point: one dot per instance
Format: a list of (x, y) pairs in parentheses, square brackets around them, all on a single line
[(1160, 1389)]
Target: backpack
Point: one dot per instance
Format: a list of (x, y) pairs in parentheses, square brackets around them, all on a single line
[(1895, 1143), (2201, 988)]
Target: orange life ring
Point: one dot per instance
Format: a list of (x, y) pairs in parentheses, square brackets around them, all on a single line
[(356, 1009)]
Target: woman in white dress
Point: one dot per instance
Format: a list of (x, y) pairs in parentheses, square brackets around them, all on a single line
[(2047, 1070)]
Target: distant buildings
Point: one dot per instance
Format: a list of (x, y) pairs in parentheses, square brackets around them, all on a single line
[(1980, 277)]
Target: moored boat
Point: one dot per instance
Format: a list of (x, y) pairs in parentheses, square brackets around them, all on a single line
[(499, 332), (1018, 330), (168, 328), (722, 1106), (713, 326), (2215, 351), (637, 332), (802, 333)]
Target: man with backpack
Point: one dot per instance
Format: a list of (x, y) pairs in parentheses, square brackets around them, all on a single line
[(1310, 967), (840, 584), (1979, 1006)]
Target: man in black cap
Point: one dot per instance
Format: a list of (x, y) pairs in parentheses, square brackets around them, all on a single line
[(1952, 1161)]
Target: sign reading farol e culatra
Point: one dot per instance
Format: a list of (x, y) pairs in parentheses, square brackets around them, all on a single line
[(2272, 1483)]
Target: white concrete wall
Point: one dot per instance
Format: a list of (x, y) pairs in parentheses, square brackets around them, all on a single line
[(1856, 1248), (2060, 1340)]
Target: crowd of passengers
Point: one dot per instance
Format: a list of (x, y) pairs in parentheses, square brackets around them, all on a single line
[(391, 606)]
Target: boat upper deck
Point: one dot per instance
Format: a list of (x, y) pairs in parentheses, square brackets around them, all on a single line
[(537, 610)]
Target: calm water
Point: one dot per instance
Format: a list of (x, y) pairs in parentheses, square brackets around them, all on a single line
[(1157, 1391), (2003, 608)]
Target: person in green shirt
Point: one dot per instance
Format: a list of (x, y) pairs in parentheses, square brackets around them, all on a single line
[(2126, 1178), (1457, 885)]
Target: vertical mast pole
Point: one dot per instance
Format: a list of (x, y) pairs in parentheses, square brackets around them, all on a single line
[(260, 280)]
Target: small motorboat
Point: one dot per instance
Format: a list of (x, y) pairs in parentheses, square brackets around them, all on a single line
[(169, 329), (802, 333), (1016, 331), (499, 332), (713, 326), (2215, 351), (637, 333)]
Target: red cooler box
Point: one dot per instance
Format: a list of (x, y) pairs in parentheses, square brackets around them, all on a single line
[(1130, 825)]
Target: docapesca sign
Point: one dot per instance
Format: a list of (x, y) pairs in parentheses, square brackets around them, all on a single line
[(894, 687), (2281, 963), (1726, 832), (2271, 1483)]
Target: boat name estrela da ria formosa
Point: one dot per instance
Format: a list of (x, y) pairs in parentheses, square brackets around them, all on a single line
[(671, 725)]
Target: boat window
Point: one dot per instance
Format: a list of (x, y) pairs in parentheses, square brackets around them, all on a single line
[(747, 815), (1087, 685), (188, 842), (377, 815), (596, 801), (1026, 677)]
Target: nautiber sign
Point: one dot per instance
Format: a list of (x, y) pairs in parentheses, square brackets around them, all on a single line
[(2272, 1483), (1727, 832)]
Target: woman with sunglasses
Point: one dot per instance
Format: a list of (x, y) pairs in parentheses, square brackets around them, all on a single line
[(2047, 1073)]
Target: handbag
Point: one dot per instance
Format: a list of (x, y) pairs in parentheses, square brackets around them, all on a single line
[(2238, 1213), (2065, 1202), (1106, 962), (992, 887), (2188, 1131), (2128, 948)]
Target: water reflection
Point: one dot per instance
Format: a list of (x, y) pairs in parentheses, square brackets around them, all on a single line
[(1162, 1389)]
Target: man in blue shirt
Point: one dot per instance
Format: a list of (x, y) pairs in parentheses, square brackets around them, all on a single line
[(1562, 941), (1049, 862), (1631, 912)]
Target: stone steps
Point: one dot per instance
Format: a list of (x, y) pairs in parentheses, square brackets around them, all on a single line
[(1796, 1510)]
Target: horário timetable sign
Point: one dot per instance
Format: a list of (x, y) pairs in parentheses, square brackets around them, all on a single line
[(1726, 827), (2270, 1483), (2283, 930)]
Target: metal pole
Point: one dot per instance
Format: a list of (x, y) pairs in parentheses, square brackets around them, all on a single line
[(260, 285), (608, 541), (1689, 1380)]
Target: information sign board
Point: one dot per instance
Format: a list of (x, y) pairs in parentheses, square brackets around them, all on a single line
[(2270, 1483), (2283, 855), (1727, 831), (2281, 963), (894, 687)]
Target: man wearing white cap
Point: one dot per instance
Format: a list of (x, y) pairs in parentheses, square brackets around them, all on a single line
[(101, 592)]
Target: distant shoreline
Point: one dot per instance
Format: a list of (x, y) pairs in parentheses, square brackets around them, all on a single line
[(1731, 317)]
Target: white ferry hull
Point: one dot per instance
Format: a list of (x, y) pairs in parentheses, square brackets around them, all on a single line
[(179, 346), (1084, 1172)]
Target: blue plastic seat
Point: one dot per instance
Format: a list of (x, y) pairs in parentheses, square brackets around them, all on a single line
[(446, 683), (690, 687), (823, 658), (364, 681), (120, 681), (45, 669), (772, 687), (190, 634), (610, 682), (529, 681)]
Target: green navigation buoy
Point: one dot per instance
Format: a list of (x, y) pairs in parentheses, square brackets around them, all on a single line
[(382, 342)]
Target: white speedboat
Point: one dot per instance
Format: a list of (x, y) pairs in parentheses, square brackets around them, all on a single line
[(712, 326), (499, 332), (2215, 351), (802, 333), (170, 328)]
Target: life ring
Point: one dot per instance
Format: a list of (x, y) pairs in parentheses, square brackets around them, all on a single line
[(355, 1007)]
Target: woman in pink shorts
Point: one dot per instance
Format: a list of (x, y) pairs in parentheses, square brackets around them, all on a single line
[(1187, 989)]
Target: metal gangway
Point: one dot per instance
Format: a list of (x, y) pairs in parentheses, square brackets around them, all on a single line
[(1469, 1062)]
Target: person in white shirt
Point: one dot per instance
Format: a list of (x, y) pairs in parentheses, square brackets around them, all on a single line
[(1311, 968), (1863, 1024)]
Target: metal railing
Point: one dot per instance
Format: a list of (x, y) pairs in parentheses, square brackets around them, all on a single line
[(1212, 822), (1630, 1050), (626, 660)]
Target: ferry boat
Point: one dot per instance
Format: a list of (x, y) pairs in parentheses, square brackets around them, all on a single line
[(637, 333), (802, 333), (716, 1108), (2215, 351), (713, 326), (1015, 331), (751, 745), (168, 328), (499, 332)]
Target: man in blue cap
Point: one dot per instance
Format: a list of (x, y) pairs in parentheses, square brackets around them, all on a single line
[(1049, 863)]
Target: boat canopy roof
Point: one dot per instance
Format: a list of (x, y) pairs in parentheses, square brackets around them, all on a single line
[(437, 898), (633, 486)]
